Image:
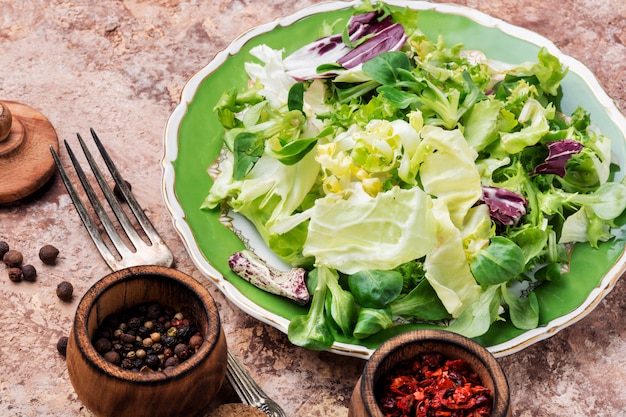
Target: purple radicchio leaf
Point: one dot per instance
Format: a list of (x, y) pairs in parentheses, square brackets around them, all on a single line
[(256, 271), (559, 152), (387, 37), (383, 35), (303, 63), (505, 206)]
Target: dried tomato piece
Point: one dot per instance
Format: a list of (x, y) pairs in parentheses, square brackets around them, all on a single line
[(431, 385), (432, 360), (404, 385)]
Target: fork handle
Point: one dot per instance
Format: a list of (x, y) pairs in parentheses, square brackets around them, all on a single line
[(248, 390)]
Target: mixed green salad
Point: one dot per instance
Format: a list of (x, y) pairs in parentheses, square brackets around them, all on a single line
[(413, 181)]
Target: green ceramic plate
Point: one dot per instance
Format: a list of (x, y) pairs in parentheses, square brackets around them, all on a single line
[(193, 139)]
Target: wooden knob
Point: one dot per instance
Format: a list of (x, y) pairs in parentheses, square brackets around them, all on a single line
[(26, 163), (5, 121)]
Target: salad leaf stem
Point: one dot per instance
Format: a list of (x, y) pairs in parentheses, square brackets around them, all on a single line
[(310, 330)]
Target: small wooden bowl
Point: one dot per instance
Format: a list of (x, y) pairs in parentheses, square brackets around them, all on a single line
[(407, 346), (183, 390)]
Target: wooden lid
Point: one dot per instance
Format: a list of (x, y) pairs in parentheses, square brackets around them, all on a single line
[(26, 163)]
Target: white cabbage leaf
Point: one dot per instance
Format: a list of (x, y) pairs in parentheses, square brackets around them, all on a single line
[(357, 234), (446, 265)]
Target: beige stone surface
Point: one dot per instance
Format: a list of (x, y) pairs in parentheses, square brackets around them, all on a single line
[(119, 66)]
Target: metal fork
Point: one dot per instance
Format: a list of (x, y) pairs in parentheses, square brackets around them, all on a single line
[(155, 252), (249, 391)]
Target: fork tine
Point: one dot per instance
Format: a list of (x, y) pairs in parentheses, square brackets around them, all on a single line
[(113, 203), (115, 237), (91, 227), (128, 196), (159, 252), (132, 251)]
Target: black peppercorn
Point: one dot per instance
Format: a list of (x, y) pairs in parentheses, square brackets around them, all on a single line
[(171, 361), (134, 323), (4, 248), (168, 341), (65, 291), (195, 342), (143, 331), (48, 254), (181, 351), (127, 363), (103, 345), (106, 333), (184, 332), (113, 357), (158, 327), (62, 345), (153, 311), (152, 361), (117, 191), (13, 258), (29, 273), (15, 274)]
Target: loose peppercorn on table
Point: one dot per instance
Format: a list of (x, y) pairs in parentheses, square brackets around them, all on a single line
[(120, 67)]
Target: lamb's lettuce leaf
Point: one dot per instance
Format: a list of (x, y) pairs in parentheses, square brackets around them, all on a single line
[(524, 311), (501, 261)]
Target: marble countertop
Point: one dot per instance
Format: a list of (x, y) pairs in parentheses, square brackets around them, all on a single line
[(119, 67)]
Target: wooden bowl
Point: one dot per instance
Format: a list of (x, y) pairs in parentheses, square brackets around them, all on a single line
[(407, 346), (183, 390)]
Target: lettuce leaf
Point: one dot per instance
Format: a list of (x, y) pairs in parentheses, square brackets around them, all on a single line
[(501, 261), (477, 318), (271, 193), (446, 266), (482, 124), (524, 311), (448, 170), (383, 232), (534, 119)]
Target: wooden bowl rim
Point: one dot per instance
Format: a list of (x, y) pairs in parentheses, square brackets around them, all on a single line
[(501, 399), (97, 361)]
